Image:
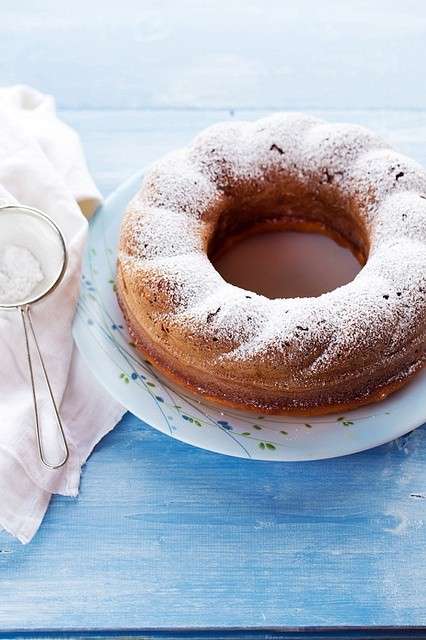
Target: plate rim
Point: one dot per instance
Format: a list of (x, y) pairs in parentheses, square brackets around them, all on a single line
[(131, 184)]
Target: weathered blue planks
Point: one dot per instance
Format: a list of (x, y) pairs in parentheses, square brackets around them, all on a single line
[(164, 535), (238, 54)]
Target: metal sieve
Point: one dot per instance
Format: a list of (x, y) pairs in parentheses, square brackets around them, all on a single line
[(19, 224)]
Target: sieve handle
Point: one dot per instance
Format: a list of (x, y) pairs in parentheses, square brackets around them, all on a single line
[(30, 333)]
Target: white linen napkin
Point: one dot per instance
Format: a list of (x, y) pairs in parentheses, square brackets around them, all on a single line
[(42, 165)]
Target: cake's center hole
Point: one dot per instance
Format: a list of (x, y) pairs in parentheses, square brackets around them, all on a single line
[(287, 264)]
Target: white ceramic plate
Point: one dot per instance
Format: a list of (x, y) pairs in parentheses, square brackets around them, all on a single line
[(101, 336)]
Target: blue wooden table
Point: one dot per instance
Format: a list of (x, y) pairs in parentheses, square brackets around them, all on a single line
[(165, 540)]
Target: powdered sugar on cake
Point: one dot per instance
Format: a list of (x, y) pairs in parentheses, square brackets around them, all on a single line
[(168, 222)]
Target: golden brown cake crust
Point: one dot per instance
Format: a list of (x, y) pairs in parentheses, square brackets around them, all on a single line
[(343, 349)]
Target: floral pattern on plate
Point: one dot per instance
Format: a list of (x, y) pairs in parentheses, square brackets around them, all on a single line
[(101, 335)]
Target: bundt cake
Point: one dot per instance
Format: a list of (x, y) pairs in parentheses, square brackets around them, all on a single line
[(345, 348)]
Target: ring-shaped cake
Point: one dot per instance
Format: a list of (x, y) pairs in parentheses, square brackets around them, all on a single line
[(316, 355)]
